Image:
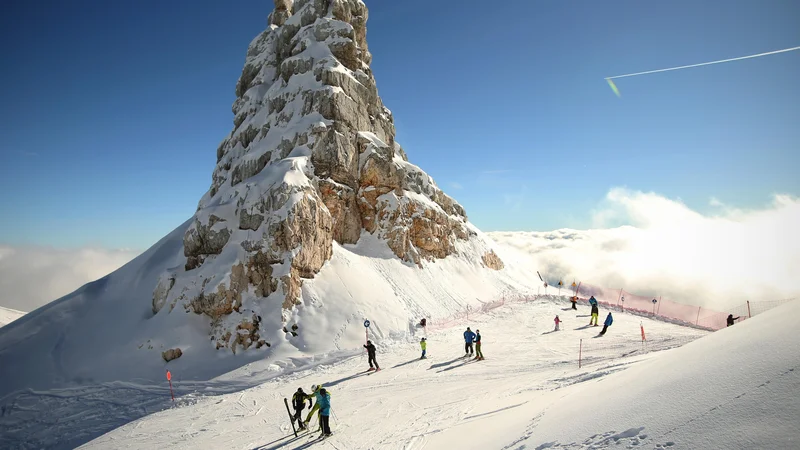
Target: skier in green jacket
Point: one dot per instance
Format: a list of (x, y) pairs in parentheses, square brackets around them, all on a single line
[(424, 345)]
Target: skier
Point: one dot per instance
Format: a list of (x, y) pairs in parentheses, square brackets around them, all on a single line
[(478, 352), (424, 345), (732, 319), (315, 390), (299, 402), (595, 311), (574, 301), (557, 321), (324, 402), (607, 323), (371, 353), (422, 322), (469, 337)]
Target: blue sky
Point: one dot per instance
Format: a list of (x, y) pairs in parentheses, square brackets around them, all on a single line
[(112, 111)]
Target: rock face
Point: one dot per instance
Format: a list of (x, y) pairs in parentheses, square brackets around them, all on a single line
[(312, 159)]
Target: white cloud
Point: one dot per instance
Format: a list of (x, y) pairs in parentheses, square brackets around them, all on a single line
[(456, 185), (34, 276), (716, 261)]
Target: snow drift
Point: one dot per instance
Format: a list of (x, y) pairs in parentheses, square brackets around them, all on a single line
[(9, 315)]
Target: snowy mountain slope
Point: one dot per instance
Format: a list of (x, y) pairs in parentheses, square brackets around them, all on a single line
[(9, 315), (442, 402), (93, 347), (315, 218)]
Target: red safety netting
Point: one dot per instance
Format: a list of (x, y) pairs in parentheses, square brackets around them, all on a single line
[(621, 300)]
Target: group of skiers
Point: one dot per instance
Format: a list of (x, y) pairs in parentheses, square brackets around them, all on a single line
[(593, 320), (472, 346), (322, 406)]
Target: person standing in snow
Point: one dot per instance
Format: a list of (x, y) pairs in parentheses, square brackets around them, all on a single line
[(324, 402), (574, 301), (478, 352), (732, 319), (424, 345), (595, 311), (607, 323), (371, 353), (299, 402), (315, 393), (469, 338), (557, 321)]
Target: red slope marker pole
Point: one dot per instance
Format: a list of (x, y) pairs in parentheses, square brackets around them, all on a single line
[(169, 378)]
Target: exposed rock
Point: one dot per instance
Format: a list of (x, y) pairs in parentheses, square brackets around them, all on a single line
[(173, 353), (343, 207), (492, 261)]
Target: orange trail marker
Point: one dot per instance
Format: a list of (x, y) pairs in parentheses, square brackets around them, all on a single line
[(169, 378)]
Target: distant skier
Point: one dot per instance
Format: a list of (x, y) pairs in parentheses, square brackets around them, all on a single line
[(478, 352), (422, 322), (557, 321), (469, 338), (324, 402), (299, 402), (606, 324), (424, 345), (371, 353), (732, 319), (574, 301), (595, 311)]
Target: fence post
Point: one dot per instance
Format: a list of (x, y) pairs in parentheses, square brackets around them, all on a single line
[(697, 321), (748, 310), (580, 353), (658, 310)]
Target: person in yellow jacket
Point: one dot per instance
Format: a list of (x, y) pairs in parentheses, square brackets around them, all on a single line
[(316, 395), (424, 345)]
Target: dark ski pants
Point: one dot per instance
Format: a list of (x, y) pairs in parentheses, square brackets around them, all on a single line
[(574, 306), (478, 352), (326, 425), (298, 416), (373, 360), (468, 348), (603, 331), (423, 354)]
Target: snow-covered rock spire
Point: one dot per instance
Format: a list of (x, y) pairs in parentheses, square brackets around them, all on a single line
[(312, 159)]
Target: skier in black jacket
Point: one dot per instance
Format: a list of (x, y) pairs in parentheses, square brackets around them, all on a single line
[(299, 402), (732, 319), (371, 353)]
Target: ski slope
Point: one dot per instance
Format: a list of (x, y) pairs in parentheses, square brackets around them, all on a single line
[(521, 396), (9, 315)]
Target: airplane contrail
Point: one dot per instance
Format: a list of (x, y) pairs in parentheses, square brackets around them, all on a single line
[(616, 91)]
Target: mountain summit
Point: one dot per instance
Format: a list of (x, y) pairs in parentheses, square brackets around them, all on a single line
[(312, 159)]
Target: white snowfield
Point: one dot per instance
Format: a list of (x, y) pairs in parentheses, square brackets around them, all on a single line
[(91, 361), (735, 388), (9, 315)]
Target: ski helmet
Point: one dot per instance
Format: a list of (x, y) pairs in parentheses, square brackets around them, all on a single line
[(314, 387)]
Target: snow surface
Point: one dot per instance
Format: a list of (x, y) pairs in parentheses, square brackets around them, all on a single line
[(102, 344), (9, 315), (735, 388)]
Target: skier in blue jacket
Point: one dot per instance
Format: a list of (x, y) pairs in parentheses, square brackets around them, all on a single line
[(469, 338), (324, 402), (607, 323)]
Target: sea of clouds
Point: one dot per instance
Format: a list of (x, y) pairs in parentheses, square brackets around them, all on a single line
[(34, 276), (717, 260)]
